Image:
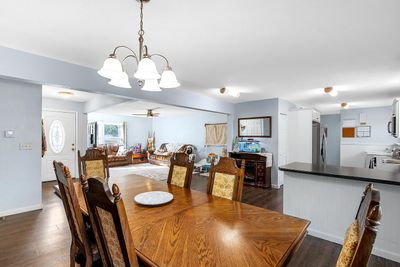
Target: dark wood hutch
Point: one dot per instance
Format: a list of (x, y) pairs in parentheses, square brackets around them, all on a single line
[(257, 173)]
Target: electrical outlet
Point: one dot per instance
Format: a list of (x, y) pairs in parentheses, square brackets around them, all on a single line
[(25, 146)]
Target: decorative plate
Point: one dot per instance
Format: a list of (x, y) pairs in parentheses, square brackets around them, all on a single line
[(153, 198)]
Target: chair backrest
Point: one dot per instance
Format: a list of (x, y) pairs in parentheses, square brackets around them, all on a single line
[(71, 207), (109, 220), (226, 179), (367, 221), (180, 170), (94, 164)]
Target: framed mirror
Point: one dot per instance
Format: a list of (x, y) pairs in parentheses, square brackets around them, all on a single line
[(255, 127)]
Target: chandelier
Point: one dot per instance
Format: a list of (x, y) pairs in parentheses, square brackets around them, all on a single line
[(146, 72)]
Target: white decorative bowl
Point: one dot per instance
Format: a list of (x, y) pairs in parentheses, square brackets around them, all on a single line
[(153, 198)]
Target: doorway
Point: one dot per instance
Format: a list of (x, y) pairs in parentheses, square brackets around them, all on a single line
[(60, 128)]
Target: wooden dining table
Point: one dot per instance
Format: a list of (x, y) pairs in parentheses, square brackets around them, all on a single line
[(197, 229)]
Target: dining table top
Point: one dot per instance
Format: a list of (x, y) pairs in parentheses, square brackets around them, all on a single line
[(197, 229)]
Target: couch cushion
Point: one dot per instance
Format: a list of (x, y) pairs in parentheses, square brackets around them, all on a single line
[(112, 149), (173, 147)]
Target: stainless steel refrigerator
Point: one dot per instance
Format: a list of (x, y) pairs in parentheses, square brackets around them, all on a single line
[(319, 143)]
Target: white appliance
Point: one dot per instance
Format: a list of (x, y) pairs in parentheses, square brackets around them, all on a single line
[(393, 125)]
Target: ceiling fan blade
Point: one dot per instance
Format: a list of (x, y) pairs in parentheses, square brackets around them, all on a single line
[(154, 108), (142, 114)]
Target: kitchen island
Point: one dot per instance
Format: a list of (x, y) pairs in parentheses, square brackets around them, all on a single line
[(329, 197)]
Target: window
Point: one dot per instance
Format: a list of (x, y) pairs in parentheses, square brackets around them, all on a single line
[(216, 134), (57, 136), (114, 133)]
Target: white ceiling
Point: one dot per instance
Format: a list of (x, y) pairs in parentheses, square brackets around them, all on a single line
[(289, 49), (140, 107), (78, 96)]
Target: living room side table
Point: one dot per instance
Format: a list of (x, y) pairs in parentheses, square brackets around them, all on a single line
[(139, 158)]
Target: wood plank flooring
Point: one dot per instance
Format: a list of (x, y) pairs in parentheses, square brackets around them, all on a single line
[(42, 238)]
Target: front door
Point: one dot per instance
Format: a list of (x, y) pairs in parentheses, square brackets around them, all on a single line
[(60, 128)]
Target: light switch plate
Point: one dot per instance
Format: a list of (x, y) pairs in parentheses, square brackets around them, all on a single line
[(9, 133), (25, 146)]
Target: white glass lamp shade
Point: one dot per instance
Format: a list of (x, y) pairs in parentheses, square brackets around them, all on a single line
[(147, 70), (168, 79), (121, 82), (112, 69), (151, 85)]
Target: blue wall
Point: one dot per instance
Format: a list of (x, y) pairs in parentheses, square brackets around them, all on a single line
[(267, 107), (332, 122), (20, 170), (187, 128)]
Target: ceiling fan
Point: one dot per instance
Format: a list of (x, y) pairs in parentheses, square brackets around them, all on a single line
[(149, 114)]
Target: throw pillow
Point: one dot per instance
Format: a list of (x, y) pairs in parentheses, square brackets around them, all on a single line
[(121, 151)]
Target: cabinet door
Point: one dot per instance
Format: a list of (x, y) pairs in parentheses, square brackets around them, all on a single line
[(260, 173)]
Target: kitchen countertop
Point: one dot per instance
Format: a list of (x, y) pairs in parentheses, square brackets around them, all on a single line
[(350, 173)]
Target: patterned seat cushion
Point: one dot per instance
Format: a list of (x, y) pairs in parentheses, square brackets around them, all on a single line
[(349, 246), (223, 185), (178, 176)]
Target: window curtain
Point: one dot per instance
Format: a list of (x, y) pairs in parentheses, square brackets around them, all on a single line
[(125, 134), (216, 134)]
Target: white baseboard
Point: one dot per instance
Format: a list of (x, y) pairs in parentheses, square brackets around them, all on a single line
[(339, 240), (21, 210), (275, 186)]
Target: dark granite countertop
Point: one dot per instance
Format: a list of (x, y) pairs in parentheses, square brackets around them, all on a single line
[(350, 173)]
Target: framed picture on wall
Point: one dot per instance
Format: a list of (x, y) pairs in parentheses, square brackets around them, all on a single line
[(363, 131)]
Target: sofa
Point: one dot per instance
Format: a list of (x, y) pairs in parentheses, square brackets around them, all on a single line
[(112, 155), (163, 154)]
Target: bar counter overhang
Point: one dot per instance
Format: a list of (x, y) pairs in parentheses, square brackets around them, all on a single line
[(329, 196)]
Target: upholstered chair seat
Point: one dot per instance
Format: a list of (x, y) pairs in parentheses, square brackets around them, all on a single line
[(361, 234), (110, 223), (226, 179), (83, 246), (180, 170), (94, 164)]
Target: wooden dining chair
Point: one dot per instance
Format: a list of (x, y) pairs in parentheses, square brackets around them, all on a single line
[(94, 164), (80, 244), (110, 223), (361, 234), (180, 170), (226, 179)]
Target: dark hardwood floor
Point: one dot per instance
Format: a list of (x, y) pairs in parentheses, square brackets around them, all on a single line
[(42, 238)]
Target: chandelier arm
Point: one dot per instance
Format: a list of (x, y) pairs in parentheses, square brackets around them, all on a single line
[(123, 46), (128, 56), (166, 60)]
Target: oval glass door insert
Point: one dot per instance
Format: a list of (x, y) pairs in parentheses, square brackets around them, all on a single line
[(57, 136)]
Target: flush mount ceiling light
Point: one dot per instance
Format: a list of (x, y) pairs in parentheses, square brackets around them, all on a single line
[(344, 105), (146, 72), (229, 91), (65, 94), (330, 91)]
